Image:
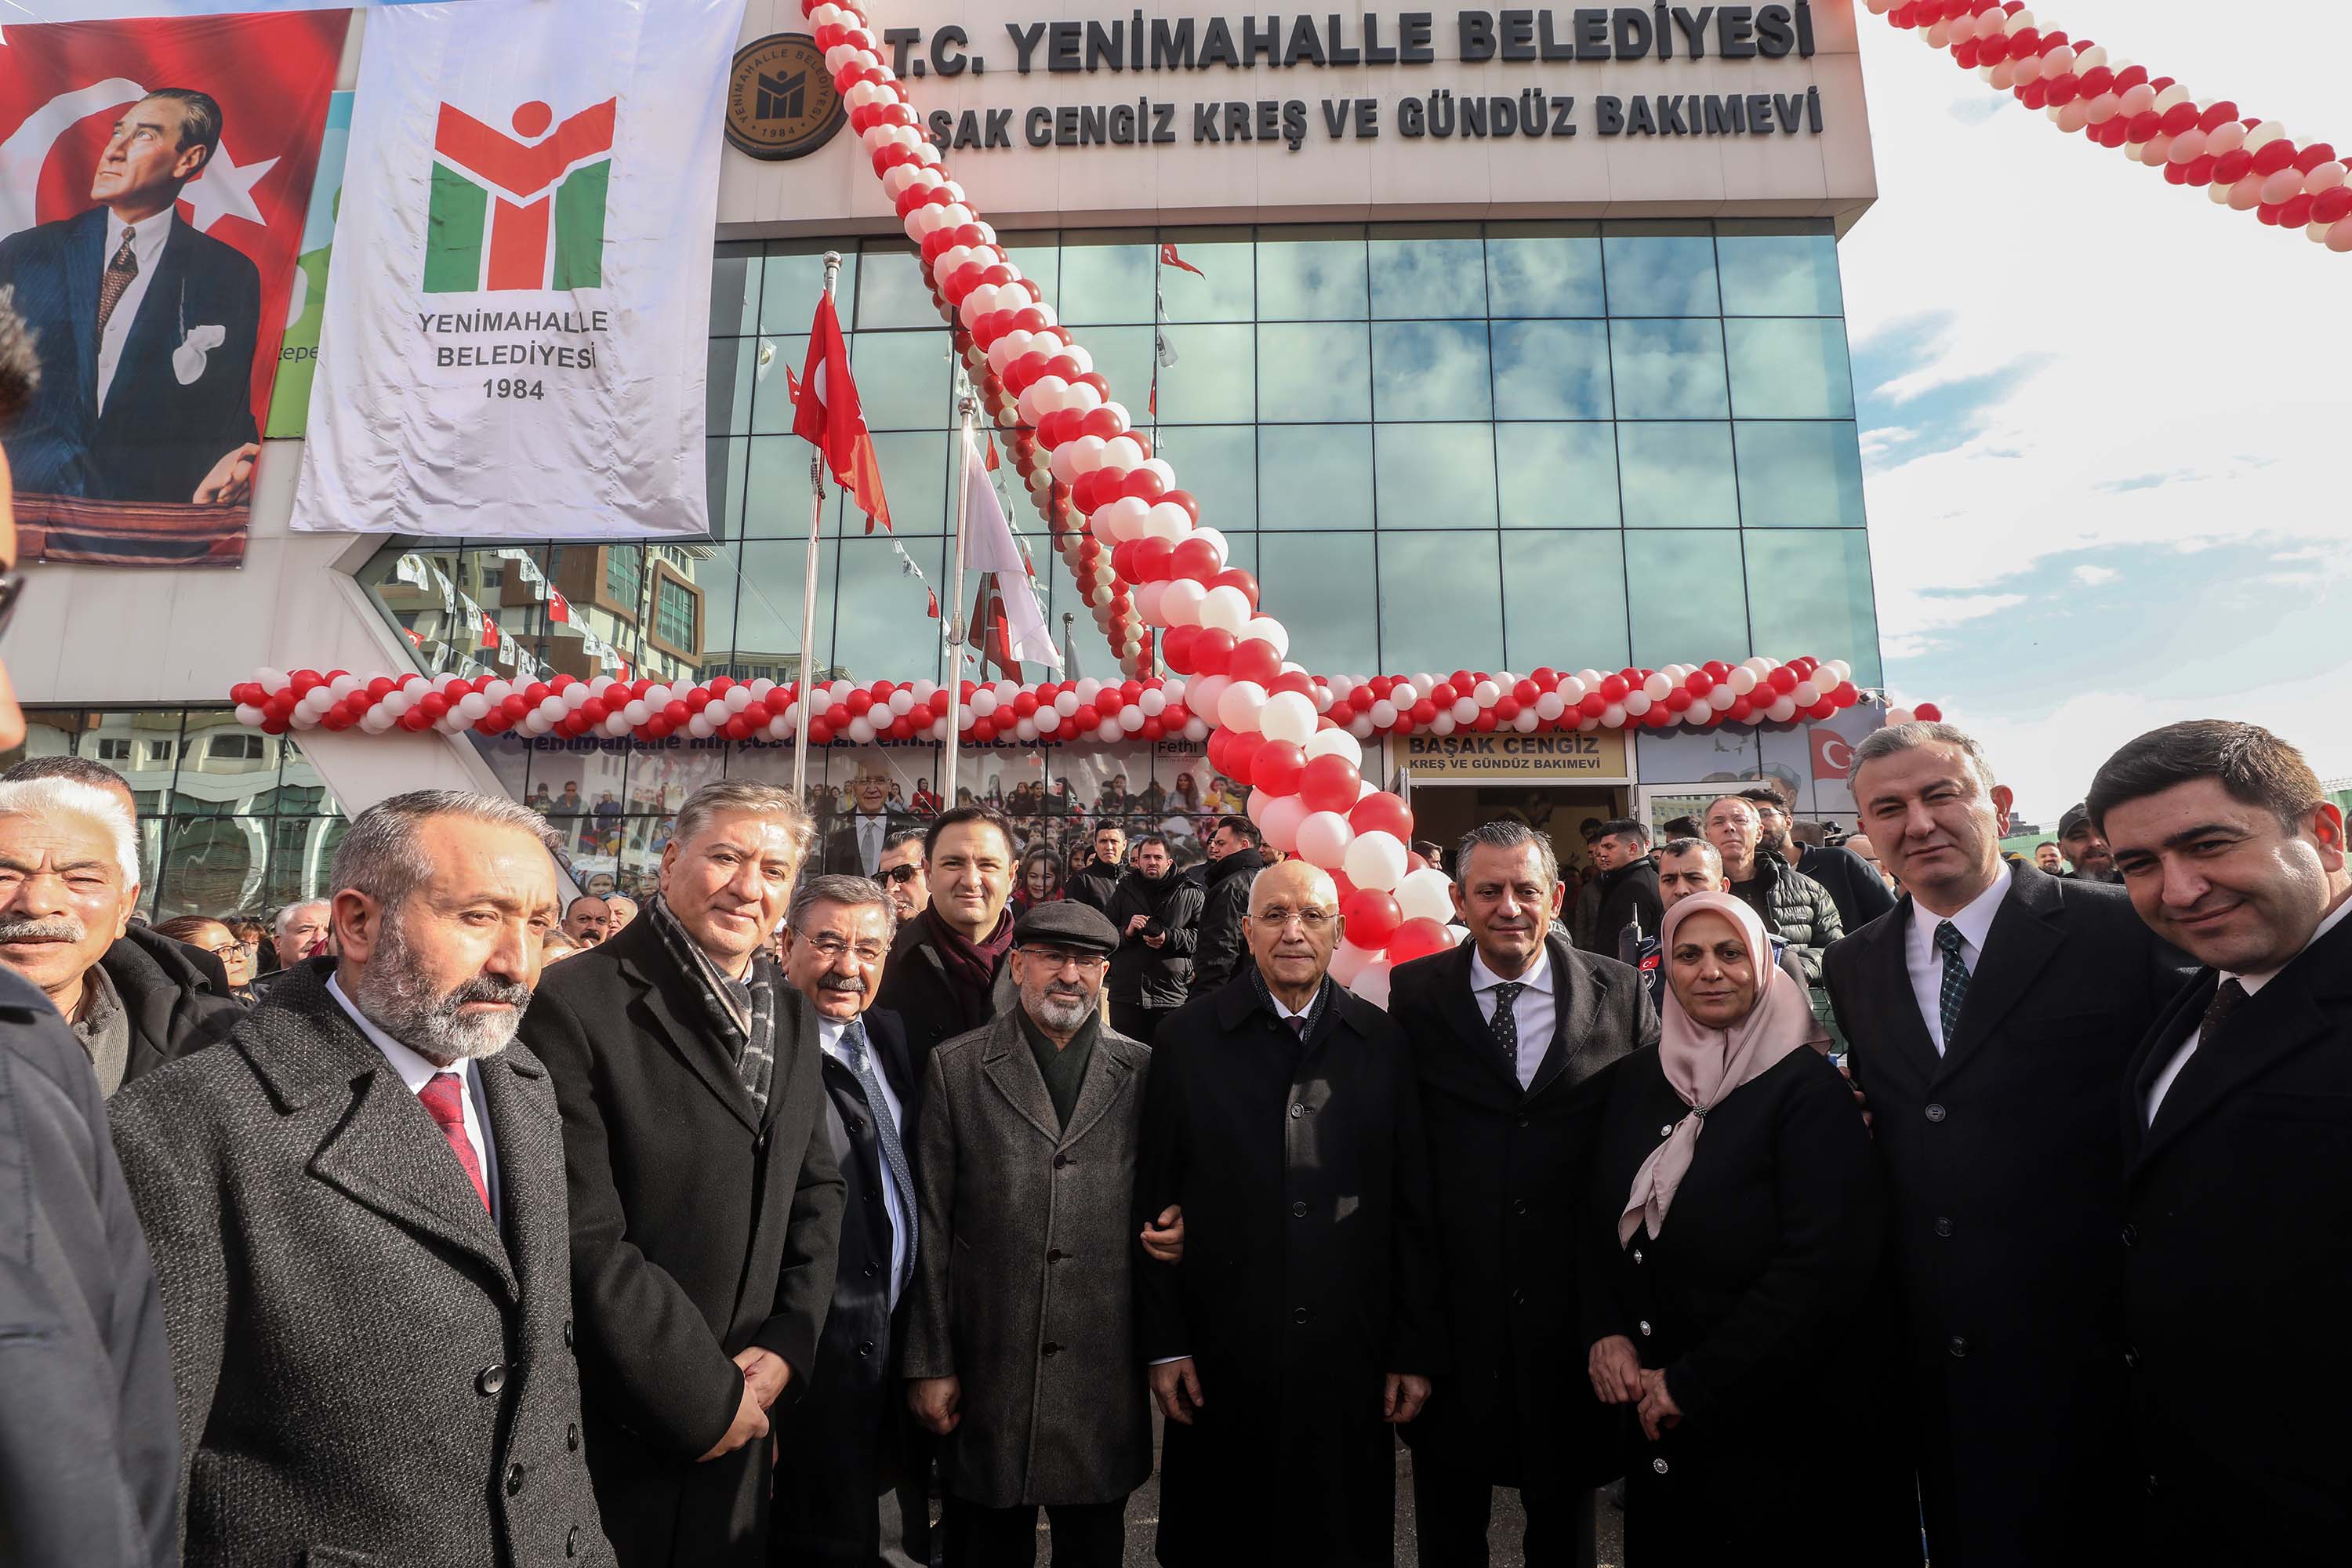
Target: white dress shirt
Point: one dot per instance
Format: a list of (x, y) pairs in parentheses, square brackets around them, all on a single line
[(417, 1072), (2252, 984), (1535, 1007), (894, 1203), (147, 244), (1926, 960)]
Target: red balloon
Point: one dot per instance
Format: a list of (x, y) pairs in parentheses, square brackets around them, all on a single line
[(1296, 680), (1154, 561), (1382, 813), (1234, 577), (1329, 783), (1143, 484), (1241, 755), (1372, 918), (1929, 713), (1195, 558), (1418, 939), (1212, 651), (1253, 659), (1277, 767), (1176, 649), (1613, 689)]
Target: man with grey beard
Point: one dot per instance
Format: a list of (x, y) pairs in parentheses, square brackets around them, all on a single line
[(1025, 1161), (358, 1216)]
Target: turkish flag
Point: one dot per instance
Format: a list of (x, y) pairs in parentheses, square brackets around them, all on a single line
[(1833, 753), (827, 417), (64, 84)]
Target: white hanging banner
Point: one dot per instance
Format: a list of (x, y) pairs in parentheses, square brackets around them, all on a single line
[(514, 336)]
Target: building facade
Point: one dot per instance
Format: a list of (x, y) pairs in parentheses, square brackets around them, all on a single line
[(1562, 388)]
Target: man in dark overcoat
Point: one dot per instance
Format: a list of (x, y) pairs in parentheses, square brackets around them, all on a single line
[(840, 1449), (2237, 1117), (1514, 1033), (706, 1204), (1284, 1118), (1020, 1346), (356, 1207), (1990, 1018)]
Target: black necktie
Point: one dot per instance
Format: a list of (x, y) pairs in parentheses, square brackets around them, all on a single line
[(2226, 1001), (1505, 1024), (1956, 980)]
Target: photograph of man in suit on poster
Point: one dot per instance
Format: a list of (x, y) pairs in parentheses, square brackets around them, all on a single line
[(145, 327)]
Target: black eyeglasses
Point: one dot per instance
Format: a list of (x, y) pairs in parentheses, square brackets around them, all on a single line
[(12, 589), (897, 875)]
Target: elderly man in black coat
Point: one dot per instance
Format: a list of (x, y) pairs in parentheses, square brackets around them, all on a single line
[(2237, 1117), (1990, 1018), (1283, 1116), (356, 1208), (1513, 1034), (841, 1448), (706, 1203)]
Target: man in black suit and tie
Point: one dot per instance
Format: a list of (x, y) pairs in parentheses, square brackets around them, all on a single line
[(2237, 1233), (147, 327), (706, 1203), (1512, 1033), (1990, 1017), (843, 1447), (856, 847)]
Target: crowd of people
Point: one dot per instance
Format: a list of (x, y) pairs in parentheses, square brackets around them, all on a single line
[(841, 1176)]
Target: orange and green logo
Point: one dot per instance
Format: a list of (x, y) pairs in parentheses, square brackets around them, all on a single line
[(511, 214)]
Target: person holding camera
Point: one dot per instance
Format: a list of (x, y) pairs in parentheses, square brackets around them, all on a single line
[(1158, 916)]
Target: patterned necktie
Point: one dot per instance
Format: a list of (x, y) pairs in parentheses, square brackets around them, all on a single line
[(861, 1062), (442, 1102), (2226, 1001), (1506, 1022), (1956, 980), (119, 274)]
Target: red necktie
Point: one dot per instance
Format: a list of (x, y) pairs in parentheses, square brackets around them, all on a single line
[(441, 1098)]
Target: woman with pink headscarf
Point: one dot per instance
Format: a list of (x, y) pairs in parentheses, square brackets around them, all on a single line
[(1731, 1291)]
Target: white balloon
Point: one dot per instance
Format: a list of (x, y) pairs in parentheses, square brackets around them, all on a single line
[(1147, 605), (1181, 602), (1280, 823), (1225, 608), (1334, 743), (1322, 839), (1285, 716), (1267, 630), (1375, 860), (1384, 713), (1348, 960), (1426, 895), (1255, 807), (1167, 520), (1373, 984), (1781, 711), (1240, 705)]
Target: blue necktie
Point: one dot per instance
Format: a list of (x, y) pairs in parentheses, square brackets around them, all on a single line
[(1956, 980), (861, 1062)]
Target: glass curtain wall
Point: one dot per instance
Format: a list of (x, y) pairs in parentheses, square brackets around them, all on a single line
[(231, 821)]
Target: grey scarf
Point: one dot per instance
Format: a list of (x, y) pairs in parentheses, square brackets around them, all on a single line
[(743, 1013)]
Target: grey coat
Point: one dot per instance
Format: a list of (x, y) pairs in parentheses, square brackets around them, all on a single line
[(1025, 1282), (368, 1371)]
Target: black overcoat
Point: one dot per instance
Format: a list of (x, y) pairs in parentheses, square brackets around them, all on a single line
[(1509, 1169), (1310, 1273), (1758, 1298), (914, 990), (700, 1226), (2238, 1232), (2006, 1168), (838, 1448)]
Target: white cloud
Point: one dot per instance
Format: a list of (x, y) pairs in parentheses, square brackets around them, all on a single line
[(2189, 393)]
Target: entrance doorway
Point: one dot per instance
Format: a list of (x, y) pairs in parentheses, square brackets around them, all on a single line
[(1445, 811)]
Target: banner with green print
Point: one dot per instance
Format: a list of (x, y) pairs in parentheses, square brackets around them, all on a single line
[(306, 304), (511, 338)]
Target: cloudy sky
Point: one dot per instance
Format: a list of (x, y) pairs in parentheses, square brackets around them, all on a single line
[(2108, 425)]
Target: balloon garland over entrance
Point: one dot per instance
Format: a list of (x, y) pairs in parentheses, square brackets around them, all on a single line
[(2241, 162)]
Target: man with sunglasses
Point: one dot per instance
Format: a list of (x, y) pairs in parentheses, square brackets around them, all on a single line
[(901, 873), (1020, 1344), (1283, 1115)]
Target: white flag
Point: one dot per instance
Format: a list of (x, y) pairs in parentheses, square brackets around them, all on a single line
[(989, 547), (513, 344)]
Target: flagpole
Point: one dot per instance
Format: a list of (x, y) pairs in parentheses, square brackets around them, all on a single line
[(808, 586), (956, 628)]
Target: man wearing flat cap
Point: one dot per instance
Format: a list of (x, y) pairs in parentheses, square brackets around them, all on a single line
[(1020, 1343)]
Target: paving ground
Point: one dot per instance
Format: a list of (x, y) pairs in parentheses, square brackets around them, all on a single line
[(1502, 1538)]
